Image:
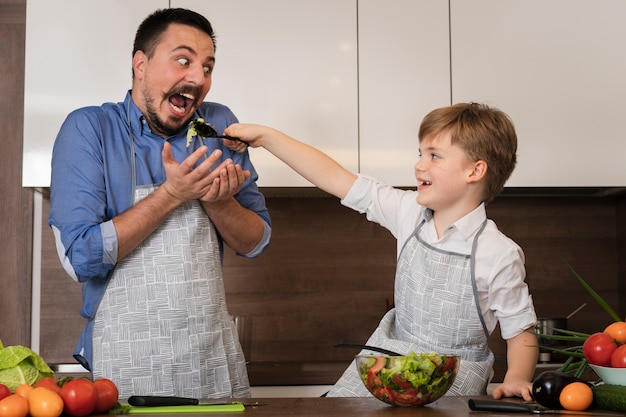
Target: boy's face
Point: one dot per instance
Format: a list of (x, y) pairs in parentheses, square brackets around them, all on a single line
[(442, 173)]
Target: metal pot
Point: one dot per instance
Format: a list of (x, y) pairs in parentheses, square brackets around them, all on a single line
[(546, 326)]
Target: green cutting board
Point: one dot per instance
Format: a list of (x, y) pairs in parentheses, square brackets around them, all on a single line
[(190, 409)]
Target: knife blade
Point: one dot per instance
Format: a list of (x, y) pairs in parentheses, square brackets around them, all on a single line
[(167, 401), (511, 407), (159, 401)]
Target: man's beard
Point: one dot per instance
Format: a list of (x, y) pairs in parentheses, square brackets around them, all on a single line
[(158, 125)]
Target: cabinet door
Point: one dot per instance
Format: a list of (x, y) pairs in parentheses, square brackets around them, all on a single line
[(78, 53), (558, 68), (404, 72), (291, 65)]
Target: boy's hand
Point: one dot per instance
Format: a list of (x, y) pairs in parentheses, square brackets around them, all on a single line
[(250, 133), (235, 145), (521, 389), (522, 353)]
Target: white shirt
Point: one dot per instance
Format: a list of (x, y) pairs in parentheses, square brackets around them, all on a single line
[(499, 267)]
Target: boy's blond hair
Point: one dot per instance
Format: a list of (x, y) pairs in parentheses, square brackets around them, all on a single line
[(484, 132)]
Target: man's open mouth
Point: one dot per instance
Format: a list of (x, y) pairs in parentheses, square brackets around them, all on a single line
[(180, 102)]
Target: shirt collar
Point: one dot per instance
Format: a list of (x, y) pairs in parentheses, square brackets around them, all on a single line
[(133, 115), (468, 224)]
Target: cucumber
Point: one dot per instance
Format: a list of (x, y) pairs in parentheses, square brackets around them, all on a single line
[(609, 397)]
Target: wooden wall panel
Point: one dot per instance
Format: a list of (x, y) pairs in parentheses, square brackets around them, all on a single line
[(328, 278), (16, 203), (61, 300)]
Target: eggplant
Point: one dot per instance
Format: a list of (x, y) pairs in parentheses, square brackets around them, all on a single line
[(547, 387)]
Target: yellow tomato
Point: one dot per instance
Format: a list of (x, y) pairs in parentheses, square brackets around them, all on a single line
[(14, 406), (576, 396), (617, 331), (24, 390), (43, 402)]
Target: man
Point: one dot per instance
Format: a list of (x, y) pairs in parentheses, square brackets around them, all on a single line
[(140, 213)]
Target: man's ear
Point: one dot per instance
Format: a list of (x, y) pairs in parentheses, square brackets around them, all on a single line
[(139, 61), (478, 172)]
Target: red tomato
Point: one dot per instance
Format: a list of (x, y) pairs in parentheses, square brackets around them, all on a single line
[(14, 406), (618, 358), (50, 383), (408, 397), (4, 391), (449, 364), (401, 383), (79, 396), (43, 402), (107, 395), (598, 349)]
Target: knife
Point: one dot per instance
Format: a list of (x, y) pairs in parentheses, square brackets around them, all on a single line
[(167, 401), (189, 409), (511, 407)]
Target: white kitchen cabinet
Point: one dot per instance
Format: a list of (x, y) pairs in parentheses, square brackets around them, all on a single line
[(558, 68), (291, 65), (404, 73), (78, 53), (355, 77)]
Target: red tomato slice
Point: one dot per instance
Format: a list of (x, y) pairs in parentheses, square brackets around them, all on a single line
[(449, 364), (401, 383), (378, 365), (409, 396)]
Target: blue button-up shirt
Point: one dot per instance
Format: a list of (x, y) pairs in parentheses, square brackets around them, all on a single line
[(91, 183)]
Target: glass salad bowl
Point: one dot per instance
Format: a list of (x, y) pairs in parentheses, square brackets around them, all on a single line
[(412, 380)]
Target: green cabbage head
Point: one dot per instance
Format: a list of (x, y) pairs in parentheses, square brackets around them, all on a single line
[(20, 365)]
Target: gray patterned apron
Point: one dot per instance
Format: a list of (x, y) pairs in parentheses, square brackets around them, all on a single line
[(436, 310), (162, 326)]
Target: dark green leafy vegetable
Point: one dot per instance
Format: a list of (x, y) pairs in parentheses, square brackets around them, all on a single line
[(202, 129), (120, 409)]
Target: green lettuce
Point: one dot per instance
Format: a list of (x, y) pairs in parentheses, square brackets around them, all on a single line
[(20, 365), (416, 369)]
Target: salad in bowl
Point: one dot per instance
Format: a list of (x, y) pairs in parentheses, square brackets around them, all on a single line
[(412, 380)]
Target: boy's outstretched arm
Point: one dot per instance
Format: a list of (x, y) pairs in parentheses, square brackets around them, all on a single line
[(522, 354), (314, 165)]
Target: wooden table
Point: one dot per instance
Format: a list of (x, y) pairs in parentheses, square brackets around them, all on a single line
[(345, 407)]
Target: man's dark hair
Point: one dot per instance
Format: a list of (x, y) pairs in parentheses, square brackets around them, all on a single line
[(152, 28)]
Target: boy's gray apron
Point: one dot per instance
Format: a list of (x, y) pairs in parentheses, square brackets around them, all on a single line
[(436, 310), (162, 327)]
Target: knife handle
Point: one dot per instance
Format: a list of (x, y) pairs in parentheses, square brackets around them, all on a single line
[(501, 406), (159, 401)]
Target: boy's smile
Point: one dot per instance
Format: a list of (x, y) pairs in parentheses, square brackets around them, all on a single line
[(442, 174)]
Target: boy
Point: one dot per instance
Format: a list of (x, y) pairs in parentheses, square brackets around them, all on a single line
[(457, 275)]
